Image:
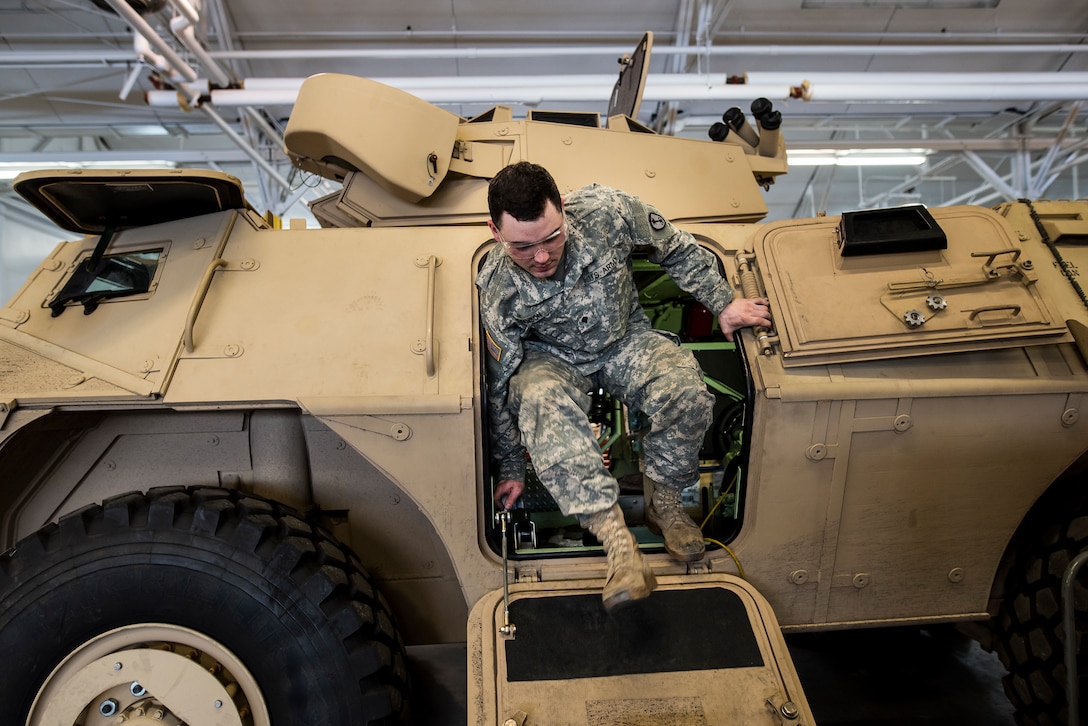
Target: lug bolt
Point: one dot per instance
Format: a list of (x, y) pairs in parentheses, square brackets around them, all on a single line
[(108, 707)]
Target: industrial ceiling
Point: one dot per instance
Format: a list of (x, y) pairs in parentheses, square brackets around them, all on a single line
[(896, 101)]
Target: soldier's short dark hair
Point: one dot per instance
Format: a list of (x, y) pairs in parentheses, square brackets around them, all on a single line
[(522, 190)]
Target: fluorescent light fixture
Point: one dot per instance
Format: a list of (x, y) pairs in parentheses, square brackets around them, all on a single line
[(142, 130), (857, 157), (10, 170)]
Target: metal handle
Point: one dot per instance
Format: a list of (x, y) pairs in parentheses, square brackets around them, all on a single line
[(1072, 694), (426, 345), (992, 309), (749, 287), (508, 628), (198, 301), (991, 256)]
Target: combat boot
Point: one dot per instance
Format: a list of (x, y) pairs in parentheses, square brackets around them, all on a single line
[(665, 516), (629, 576)]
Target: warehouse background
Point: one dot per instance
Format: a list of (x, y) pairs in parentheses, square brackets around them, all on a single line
[(901, 101)]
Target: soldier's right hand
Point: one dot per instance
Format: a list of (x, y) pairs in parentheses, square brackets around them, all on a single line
[(744, 313)]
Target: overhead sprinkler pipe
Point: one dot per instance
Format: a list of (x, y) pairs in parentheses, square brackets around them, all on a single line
[(130, 81), (142, 48), (186, 9), (184, 32), (708, 79), (141, 26), (178, 65), (535, 90), (529, 96), (906, 93), (918, 79), (97, 57), (529, 51)]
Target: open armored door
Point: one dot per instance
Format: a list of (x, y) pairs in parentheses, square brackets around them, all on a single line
[(103, 316), (702, 649)]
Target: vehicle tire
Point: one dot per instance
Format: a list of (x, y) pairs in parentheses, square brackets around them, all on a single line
[(1030, 636), (256, 612)]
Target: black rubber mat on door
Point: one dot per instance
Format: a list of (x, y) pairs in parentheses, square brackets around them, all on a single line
[(672, 630)]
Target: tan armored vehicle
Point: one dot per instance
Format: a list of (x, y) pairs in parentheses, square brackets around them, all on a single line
[(242, 467)]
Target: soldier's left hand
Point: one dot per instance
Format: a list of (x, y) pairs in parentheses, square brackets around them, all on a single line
[(744, 312)]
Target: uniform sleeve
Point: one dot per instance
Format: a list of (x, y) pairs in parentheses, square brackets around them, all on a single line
[(503, 354), (694, 268)]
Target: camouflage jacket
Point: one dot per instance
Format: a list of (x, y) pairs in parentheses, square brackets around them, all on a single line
[(577, 315)]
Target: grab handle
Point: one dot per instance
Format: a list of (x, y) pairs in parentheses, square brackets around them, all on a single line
[(198, 301), (425, 345)]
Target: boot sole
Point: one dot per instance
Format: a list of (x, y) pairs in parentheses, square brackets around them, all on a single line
[(675, 554), (627, 597), (686, 556)]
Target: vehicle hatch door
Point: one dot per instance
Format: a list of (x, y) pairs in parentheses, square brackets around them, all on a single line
[(703, 649), (102, 316), (831, 305)]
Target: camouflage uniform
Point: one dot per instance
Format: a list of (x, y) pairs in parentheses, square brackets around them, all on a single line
[(551, 342)]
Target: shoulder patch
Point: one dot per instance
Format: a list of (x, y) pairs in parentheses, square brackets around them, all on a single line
[(492, 347), (657, 222)]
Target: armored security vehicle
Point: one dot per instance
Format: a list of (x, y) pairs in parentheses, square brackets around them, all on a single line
[(243, 466)]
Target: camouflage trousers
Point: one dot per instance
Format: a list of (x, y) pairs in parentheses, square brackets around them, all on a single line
[(647, 371)]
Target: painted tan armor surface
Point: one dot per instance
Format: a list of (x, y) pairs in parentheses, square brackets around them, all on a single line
[(272, 440)]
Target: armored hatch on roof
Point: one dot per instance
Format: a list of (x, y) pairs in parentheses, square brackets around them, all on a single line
[(92, 202)]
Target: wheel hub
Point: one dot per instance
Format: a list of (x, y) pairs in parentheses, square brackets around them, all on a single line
[(144, 675)]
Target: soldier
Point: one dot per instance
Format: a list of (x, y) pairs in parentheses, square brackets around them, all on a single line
[(561, 315)]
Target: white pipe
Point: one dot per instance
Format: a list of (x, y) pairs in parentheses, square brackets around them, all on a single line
[(846, 93), (715, 79), (142, 48), (39, 159), (183, 7), (183, 31), (896, 78), (130, 81), (607, 50), (530, 96), (30, 58), (531, 90), (175, 62), (408, 82)]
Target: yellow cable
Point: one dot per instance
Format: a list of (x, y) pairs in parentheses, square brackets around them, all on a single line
[(721, 498), (740, 569)]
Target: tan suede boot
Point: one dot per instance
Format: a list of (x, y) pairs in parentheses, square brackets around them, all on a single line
[(665, 516), (629, 576)]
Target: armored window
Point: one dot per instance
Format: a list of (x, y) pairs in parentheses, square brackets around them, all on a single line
[(118, 275)]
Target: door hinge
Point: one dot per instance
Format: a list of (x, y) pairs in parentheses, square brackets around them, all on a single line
[(527, 574)]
